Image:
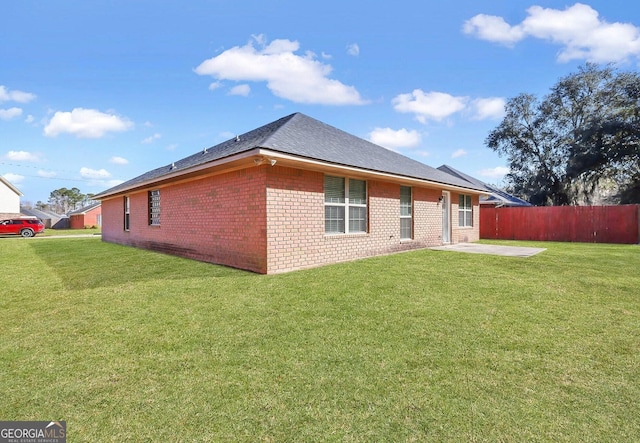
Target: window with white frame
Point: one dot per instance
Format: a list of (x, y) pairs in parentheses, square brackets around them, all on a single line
[(345, 205), (406, 213), (465, 211), (126, 212), (154, 207)]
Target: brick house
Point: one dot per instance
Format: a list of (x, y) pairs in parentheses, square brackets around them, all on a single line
[(87, 216), (295, 193)]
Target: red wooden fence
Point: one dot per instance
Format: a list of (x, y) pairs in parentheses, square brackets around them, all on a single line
[(590, 224)]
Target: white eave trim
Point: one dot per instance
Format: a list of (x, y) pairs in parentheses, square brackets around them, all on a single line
[(352, 170), (171, 175), (10, 186), (288, 160)]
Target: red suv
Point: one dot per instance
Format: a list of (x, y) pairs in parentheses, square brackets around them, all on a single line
[(26, 227)]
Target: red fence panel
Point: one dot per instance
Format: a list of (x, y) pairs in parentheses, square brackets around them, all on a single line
[(488, 223), (589, 224)]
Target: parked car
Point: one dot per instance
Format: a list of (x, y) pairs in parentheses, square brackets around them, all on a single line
[(26, 227)]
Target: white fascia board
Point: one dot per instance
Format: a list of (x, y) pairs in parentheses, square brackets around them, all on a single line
[(354, 171)]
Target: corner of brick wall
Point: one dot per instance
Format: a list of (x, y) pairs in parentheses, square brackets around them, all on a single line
[(271, 220)]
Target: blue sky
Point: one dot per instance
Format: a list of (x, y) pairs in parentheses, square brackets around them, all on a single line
[(93, 93)]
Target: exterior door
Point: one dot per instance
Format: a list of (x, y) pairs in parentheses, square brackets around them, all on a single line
[(446, 217)]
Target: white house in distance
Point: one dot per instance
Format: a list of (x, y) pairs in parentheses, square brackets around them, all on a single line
[(9, 199)]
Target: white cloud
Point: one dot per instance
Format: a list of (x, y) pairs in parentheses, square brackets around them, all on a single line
[(94, 173), (394, 139), (495, 173), (8, 114), (15, 96), (459, 153), (13, 178), (151, 138), (46, 174), (488, 108), (118, 161), (578, 29), (99, 178), (493, 29), (298, 78), (242, 90), (353, 49), (429, 105), (215, 85), (85, 123), (22, 156), (440, 105)]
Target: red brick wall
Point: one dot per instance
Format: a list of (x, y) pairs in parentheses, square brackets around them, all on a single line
[(271, 219), (5, 215), (295, 227), (79, 221), (218, 219), (464, 234), (76, 221), (427, 216)]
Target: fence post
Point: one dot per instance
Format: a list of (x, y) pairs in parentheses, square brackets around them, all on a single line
[(638, 207)]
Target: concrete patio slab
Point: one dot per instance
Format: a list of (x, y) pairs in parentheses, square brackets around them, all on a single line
[(477, 248)]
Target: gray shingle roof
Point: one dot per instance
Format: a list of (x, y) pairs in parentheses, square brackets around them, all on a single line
[(86, 208), (496, 196), (303, 136), (42, 215), (472, 180)]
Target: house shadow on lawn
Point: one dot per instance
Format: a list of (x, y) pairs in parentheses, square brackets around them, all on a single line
[(83, 263)]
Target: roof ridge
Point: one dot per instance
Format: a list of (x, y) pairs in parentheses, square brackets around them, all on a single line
[(280, 123)]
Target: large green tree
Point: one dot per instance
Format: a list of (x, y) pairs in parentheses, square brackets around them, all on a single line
[(563, 149), (64, 200)]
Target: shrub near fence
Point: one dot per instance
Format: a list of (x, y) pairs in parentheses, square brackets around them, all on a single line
[(589, 224)]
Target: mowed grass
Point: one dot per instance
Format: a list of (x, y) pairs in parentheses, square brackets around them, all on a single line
[(65, 232), (131, 345)]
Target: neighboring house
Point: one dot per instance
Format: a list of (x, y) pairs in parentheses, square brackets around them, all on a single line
[(51, 220), (496, 197), (293, 194), (88, 216), (9, 199)]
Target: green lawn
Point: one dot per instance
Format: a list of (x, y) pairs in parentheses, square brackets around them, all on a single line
[(66, 232), (130, 345)]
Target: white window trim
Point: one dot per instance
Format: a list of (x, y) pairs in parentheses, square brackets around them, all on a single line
[(347, 204), (464, 210), (154, 215), (405, 217)]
